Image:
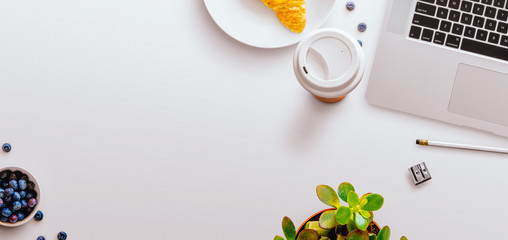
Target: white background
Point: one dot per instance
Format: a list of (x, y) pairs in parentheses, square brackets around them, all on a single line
[(143, 120)]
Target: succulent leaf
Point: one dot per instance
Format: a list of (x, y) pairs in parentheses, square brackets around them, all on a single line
[(278, 238), (288, 227), (315, 226), (328, 196), (327, 219), (361, 222), (343, 215), (308, 234), (363, 201), (384, 234), (365, 214), (372, 236), (403, 238), (324, 238), (357, 235), (344, 189), (351, 225), (374, 202), (352, 199)]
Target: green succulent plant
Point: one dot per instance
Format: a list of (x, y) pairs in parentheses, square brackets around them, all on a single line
[(349, 222)]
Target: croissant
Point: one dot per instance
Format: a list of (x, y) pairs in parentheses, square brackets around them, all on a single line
[(291, 13)]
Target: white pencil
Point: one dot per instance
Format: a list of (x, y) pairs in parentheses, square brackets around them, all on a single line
[(461, 146)]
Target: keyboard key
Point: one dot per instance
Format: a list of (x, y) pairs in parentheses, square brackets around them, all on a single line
[(478, 22), (453, 41), (457, 29), (442, 2), (470, 32), (484, 49), (429, 1), (481, 35), (427, 35), (499, 3), (490, 24), (442, 13), (439, 38), (502, 15), (445, 26), (425, 9), (488, 2), (454, 16), (475, 0), (425, 21), (466, 6), (502, 27), (466, 18), (504, 41), (478, 9), (415, 32), (494, 38), (490, 12), (454, 4)]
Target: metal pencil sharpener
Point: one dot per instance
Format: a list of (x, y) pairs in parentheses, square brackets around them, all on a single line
[(420, 173)]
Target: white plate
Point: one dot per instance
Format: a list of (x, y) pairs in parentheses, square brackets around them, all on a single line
[(253, 23)]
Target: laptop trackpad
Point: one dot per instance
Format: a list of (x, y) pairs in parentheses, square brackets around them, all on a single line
[(480, 93)]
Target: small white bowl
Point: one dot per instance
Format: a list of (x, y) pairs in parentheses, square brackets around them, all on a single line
[(38, 198)]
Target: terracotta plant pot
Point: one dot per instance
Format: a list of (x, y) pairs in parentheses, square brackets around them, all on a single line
[(372, 228)]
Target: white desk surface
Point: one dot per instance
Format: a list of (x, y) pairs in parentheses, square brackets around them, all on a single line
[(143, 120)]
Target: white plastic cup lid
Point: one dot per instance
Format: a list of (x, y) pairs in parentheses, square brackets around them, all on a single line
[(329, 63)]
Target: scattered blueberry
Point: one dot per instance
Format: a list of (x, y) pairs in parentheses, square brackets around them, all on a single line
[(13, 218), (16, 206), (22, 184), (6, 212), (6, 147), (41, 238), (362, 27), (16, 196), (360, 42), (32, 202), (21, 216), (62, 236), (9, 192), (350, 6), (38, 216)]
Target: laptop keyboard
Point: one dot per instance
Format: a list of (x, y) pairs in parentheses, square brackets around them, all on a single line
[(477, 26)]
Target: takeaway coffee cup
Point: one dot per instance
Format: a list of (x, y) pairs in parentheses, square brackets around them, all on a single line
[(329, 63)]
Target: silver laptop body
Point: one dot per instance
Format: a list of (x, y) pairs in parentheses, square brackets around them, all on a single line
[(446, 60)]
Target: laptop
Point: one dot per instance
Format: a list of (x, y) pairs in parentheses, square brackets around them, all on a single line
[(445, 60)]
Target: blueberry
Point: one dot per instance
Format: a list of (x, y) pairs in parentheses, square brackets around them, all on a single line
[(29, 195), (41, 238), (13, 176), (16, 206), (22, 184), (5, 184), (38, 216), (62, 236), (350, 6), (16, 196), (7, 200), (30, 185), (4, 219), (2, 193), (8, 192), (4, 174), (6, 212), (32, 202), (24, 204), (362, 27), (6, 147), (21, 216), (361, 43), (13, 218), (22, 194), (14, 184)]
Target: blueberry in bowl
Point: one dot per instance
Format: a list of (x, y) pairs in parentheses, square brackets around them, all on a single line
[(19, 196)]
